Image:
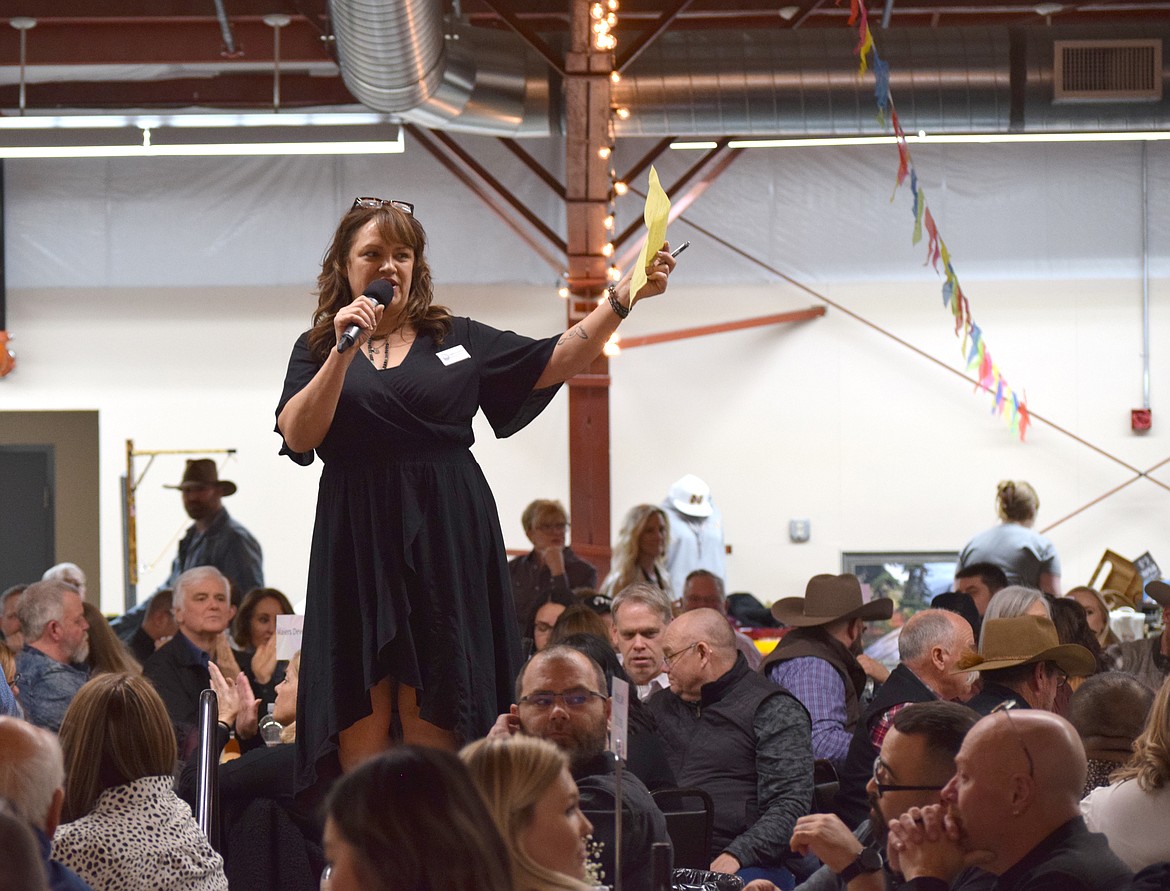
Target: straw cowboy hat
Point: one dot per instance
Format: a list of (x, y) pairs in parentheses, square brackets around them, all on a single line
[(203, 472), (828, 598), (1025, 640)]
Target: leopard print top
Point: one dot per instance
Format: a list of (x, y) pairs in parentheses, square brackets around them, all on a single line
[(140, 836)]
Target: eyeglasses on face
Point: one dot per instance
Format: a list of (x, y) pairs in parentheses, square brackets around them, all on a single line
[(542, 701), (668, 661), (1006, 708), (879, 770), (404, 206)]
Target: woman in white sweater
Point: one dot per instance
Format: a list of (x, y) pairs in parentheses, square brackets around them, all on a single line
[(1134, 810)]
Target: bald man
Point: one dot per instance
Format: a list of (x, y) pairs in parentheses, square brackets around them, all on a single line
[(742, 738), (1012, 808), (32, 779)]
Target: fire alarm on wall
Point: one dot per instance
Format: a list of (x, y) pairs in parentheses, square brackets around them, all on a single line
[(1140, 420)]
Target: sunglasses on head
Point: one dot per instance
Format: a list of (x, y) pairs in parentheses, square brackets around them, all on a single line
[(404, 206)]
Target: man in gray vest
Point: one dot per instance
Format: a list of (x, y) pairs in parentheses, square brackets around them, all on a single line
[(743, 739)]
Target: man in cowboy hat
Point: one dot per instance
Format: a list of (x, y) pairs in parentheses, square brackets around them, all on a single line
[(1022, 658), (815, 660), (696, 531), (215, 539), (1148, 659)]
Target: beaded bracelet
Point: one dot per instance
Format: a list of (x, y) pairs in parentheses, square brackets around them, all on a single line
[(615, 305)]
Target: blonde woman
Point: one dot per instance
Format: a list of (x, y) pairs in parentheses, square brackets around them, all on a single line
[(639, 553), (1097, 612), (533, 801), (1134, 810), (1026, 557)]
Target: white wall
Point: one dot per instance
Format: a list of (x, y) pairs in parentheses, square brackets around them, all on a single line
[(166, 294)]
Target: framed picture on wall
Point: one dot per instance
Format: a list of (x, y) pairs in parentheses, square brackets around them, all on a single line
[(910, 578)]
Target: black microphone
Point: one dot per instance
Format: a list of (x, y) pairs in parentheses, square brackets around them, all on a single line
[(381, 292)]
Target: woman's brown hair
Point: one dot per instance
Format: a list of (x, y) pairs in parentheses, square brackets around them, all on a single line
[(106, 652), (242, 623), (115, 731), (333, 291)]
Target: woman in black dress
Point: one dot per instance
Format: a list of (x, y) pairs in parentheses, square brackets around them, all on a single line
[(409, 609)]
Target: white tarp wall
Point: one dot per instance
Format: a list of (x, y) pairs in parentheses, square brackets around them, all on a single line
[(166, 294)]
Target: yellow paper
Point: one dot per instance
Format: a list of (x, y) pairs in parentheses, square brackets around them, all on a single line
[(656, 214)]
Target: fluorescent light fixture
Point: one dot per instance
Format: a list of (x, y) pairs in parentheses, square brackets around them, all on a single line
[(162, 135), (939, 139)]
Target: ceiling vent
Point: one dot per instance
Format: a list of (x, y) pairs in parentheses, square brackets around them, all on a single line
[(1108, 70)]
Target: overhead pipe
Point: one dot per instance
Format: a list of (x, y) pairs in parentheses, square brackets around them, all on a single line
[(403, 58)]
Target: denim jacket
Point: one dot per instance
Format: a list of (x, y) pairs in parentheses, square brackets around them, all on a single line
[(47, 686)]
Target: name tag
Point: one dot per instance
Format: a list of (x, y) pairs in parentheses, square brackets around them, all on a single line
[(453, 355)]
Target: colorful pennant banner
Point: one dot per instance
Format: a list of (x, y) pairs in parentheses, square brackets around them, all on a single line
[(1008, 404)]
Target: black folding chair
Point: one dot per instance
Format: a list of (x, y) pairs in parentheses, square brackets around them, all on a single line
[(690, 818)]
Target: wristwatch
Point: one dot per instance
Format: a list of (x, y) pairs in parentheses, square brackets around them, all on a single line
[(869, 860)]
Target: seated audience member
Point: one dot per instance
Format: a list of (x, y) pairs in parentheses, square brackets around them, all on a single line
[(640, 616), (51, 665), (178, 669), (547, 615), (106, 652), (600, 604), (639, 555), (980, 582), (1022, 659), (254, 632), (1134, 810), (740, 737), (815, 661), (959, 604), (1016, 600), (550, 571), (930, 645), (1109, 712), (448, 843), (533, 801), (561, 696), (704, 590), (577, 619), (22, 863), (70, 573), (9, 690), (1012, 807), (10, 620), (1147, 659), (645, 756), (1097, 614), (119, 754), (916, 761), (158, 626), (32, 779)]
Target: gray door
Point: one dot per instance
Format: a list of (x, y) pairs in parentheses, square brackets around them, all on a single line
[(26, 513)]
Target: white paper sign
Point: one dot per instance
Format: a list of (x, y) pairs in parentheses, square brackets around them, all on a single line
[(619, 720), (288, 636)]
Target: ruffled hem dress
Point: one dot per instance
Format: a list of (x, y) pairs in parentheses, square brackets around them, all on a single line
[(407, 575)]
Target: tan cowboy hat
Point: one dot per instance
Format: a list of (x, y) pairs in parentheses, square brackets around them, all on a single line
[(203, 472), (1025, 640), (828, 598), (1159, 591)]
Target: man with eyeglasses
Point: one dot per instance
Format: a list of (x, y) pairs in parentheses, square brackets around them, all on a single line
[(1012, 807), (916, 760), (550, 572), (743, 739), (560, 697), (1022, 659)]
